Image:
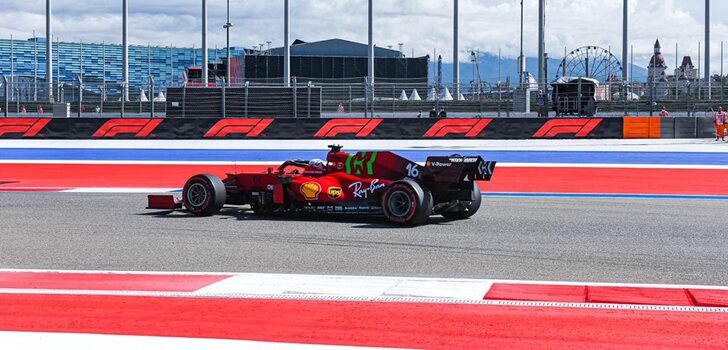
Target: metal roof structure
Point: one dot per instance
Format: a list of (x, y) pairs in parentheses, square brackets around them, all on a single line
[(335, 48)]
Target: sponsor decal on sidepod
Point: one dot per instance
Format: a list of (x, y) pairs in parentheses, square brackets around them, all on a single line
[(359, 191), (334, 192), (311, 190)]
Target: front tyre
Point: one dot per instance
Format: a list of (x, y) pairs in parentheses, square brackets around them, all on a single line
[(406, 202), (466, 211), (204, 195)]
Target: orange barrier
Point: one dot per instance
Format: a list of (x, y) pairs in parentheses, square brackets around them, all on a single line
[(642, 128)]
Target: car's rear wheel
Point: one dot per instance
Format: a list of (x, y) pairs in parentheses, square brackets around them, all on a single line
[(204, 195), (465, 211), (406, 202)]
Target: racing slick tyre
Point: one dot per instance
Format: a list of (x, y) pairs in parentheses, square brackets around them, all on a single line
[(204, 195), (406, 202), (464, 212)]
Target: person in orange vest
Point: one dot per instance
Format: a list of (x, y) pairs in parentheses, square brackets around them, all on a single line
[(664, 112), (720, 119)]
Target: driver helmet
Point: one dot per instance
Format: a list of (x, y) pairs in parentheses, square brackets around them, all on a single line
[(316, 166)]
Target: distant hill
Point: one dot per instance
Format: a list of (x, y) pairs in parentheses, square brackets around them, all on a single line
[(509, 70)]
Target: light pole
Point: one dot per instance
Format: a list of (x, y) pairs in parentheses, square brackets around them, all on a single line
[(521, 59), (371, 52), (35, 68), (625, 38), (49, 51), (707, 47), (227, 27), (204, 43), (542, 74), (125, 50), (456, 58), (286, 45)]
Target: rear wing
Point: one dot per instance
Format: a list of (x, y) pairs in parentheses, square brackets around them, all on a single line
[(457, 168)]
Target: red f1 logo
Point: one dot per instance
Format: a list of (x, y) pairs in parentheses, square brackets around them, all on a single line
[(251, 127), (29, 127), (360, 127), (468, 127), (577, 127), (138, 127)]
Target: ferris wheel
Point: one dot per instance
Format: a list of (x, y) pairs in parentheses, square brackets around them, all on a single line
[(590, 62)]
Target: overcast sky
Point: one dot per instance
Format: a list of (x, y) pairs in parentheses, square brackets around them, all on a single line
[(421, 25)]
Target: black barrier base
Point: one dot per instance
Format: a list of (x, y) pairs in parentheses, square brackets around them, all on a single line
[(304, 128)]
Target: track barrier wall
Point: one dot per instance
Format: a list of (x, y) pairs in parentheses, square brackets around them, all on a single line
[(355, 128)]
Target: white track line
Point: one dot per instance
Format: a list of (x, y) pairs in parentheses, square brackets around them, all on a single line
[(362, 289), (653, 145), (277, 278), (74, 341), (275, 163), (116, 190)]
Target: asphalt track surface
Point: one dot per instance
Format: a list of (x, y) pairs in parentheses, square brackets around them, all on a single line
[(561, 239)]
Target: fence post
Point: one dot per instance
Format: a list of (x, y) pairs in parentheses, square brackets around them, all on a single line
[(80, 95), (16, 94), (123, 98), (247, 84), (295, 97), (184, 100), (350, 103), (141, 109), (366, 98), (103, 97), (394, 100), (321, 101), (151, 95), (309, 100), (7, 98), (372, 93), (224, 84)]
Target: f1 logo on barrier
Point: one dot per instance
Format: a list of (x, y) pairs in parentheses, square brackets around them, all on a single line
[(29, 127), (577, 127), (467, 127), (136, 126), (360, 127), (251, 127)]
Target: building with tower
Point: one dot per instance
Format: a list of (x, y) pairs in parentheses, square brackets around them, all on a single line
[(657, 79)]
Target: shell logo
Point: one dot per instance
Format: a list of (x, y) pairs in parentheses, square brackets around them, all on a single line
[(310, 190)]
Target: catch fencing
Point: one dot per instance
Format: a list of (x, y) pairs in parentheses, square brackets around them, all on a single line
[(386, 98)]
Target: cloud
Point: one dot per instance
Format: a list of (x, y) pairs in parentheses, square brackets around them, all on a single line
[(422, 25)]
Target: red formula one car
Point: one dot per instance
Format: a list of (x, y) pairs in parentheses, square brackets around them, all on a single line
[(362, 183)]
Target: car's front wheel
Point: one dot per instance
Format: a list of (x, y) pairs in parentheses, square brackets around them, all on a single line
[(406, 202), (204, 195)]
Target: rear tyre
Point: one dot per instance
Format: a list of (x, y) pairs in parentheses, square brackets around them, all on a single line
[(464, 212), (406, 202), (204, 195)]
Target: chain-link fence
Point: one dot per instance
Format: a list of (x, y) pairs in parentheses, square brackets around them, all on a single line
[(22, 95)]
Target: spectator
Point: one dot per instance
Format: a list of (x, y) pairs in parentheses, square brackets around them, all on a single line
[(443, 114), (720, 119), (433, 113), (40, 109), (23, 110), (541, 102), (664, 112), (97, 109)]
